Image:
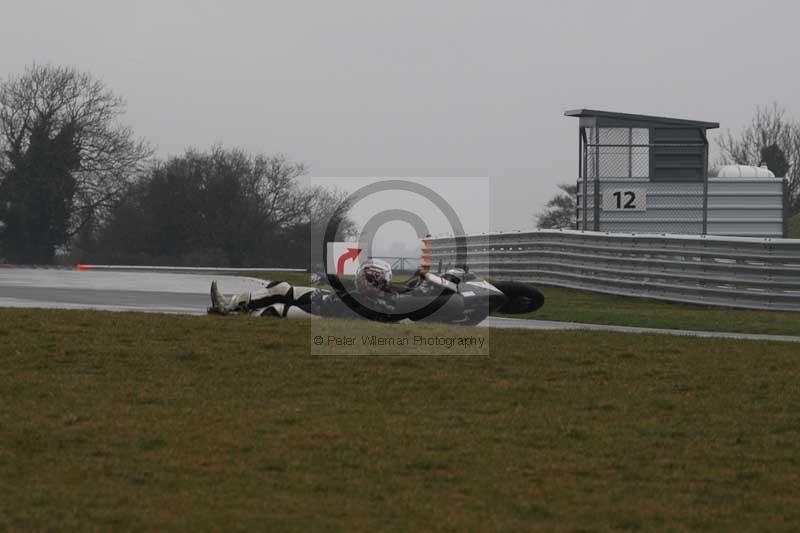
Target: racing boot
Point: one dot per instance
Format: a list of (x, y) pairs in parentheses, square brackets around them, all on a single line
[(223, 306)]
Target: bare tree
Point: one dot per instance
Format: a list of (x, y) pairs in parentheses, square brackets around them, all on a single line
[(64, 157), (560, 211), (279, 188), (770, 138)]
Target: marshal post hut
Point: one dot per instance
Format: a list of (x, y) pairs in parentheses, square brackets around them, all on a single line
[(647, 174)]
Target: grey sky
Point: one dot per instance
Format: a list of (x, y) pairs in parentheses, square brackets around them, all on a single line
[(415, 88)]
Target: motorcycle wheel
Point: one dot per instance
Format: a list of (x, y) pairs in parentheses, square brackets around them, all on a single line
[(522, 298)]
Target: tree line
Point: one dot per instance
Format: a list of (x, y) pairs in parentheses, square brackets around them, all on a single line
[(771, 138), (77, 185)]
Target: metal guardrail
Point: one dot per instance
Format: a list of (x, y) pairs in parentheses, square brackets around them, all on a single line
[(400, 263), (754, 273)]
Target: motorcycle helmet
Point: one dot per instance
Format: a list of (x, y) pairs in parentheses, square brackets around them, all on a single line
[(373, 276)]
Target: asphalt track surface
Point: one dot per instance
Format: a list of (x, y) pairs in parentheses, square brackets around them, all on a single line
[(160, 292)]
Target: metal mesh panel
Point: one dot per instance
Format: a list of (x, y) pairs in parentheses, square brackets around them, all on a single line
[(618, 161), (640, 161), (612, 136), (641, 186)]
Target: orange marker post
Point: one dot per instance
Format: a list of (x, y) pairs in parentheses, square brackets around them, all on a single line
[(425, 261)]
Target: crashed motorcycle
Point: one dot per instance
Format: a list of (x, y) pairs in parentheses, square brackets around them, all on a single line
[(455, 297)]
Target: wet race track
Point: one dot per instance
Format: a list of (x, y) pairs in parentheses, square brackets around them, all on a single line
[(161, 292), (114, 291)]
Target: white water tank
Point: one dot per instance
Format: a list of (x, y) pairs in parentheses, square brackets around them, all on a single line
[(744, 171)]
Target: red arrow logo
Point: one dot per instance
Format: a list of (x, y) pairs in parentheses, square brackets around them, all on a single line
[(352, 253)]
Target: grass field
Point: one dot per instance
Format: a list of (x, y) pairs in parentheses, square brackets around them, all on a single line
[(567, 305), (137, 421), (596, 308), (794, 227), (295, 278)]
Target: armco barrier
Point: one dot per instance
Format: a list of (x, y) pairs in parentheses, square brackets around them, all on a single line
[(755, 273)]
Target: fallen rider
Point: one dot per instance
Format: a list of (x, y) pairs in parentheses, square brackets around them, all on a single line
[(371, 296)]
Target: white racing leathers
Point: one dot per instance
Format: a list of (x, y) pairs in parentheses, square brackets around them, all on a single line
[(283, 300), (276, 299)]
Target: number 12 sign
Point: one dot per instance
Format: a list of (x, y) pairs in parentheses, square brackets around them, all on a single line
[(625, 200)]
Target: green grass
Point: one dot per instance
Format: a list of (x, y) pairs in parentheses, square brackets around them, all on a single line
[(137, 421), (596, 308), (794, 227), (295, 278)]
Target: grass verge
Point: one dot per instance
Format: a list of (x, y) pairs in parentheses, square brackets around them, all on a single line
[(570, 305), (793, 231), (295, 278), (137, 421)]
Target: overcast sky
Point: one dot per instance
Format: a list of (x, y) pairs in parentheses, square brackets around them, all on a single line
[(415, 88)]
